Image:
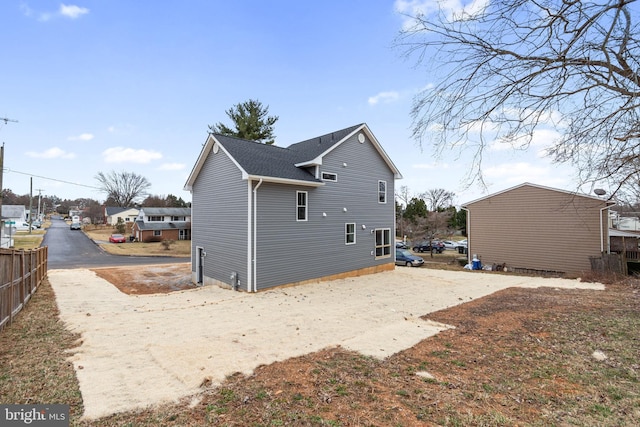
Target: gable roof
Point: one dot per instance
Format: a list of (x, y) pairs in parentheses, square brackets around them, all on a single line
[(285, 165), (528, 184), (115, 210), (13, 211)]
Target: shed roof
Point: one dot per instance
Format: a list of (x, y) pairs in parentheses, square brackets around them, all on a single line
[(528, 184), (614, 232)]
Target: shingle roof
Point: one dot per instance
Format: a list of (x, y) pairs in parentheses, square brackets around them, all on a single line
[(277, 164), (312, 148), (13, 211), (177, 225), (115, 210), (167, 211), (264, 160)]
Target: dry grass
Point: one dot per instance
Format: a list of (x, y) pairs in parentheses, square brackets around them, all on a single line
[(100, 234), (517, 357)]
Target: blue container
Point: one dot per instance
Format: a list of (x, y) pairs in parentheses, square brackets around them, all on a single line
[(475, 264)]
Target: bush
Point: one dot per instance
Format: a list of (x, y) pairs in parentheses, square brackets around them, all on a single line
[(167, 244)]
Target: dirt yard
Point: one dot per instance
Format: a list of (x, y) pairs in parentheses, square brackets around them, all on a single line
[(141, 348), (151, 279)]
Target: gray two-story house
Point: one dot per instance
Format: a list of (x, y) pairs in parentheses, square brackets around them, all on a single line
[(265, 216)]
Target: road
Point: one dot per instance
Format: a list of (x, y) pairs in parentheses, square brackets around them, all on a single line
[(73, 249)]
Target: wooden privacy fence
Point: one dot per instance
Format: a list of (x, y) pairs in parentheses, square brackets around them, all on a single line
[(21, 272)]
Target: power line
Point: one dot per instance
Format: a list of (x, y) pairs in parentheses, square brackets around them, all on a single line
[(51, 179)]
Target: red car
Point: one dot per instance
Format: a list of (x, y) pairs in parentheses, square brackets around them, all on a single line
[(117, 238)]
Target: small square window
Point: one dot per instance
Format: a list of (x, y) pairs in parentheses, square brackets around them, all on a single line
[(157, 232), (328, 176)]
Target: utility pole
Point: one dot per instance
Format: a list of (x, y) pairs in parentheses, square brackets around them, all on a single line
[(39, 190), (6, 120)]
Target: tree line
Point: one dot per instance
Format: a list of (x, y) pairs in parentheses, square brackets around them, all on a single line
[(428, 215)]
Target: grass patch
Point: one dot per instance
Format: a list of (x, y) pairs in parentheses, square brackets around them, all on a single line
[(101, 233)]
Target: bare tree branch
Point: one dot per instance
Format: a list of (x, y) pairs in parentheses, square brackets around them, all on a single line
[(517, 66)]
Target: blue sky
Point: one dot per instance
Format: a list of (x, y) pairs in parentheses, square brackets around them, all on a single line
[(131, 86)]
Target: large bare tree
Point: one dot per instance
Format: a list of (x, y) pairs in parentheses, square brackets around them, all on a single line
[(123, 188), (438, 199), (504, 69)]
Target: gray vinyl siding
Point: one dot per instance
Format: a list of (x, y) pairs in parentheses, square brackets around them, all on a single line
[(290, 251), (538, 229), (219, 219)]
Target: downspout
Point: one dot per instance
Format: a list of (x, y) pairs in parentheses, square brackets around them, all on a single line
[(249, 235), (468, 232), (255, 233)]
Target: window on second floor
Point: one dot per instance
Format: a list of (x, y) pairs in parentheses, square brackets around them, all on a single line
[(156, 218), (178, 218), (328, 176), (301, 205), (382, 191)]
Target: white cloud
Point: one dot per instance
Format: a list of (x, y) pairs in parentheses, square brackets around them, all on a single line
[(67, 11), (511, 174), (72, 11), (171, 166), (129, 155), (386, 97), (451, 9), (51, 153), (81, 137)]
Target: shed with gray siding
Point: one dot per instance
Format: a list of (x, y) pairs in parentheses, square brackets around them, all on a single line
[(538, 229), (265, 216)]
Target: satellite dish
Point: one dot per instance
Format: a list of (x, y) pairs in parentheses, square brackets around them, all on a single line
[(599, 191)]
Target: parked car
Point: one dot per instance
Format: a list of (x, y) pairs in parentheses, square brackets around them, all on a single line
[(404, 257), (438, 247), (450, 244), (117, 238), (25, 226), (75, 226), (401, 245)]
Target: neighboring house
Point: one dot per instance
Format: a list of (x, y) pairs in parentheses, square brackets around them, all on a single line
[(627, 244), (628, 223), (532, 228), (266, 216), (15, 213), (157, 224), (10, 213), (113, 213)]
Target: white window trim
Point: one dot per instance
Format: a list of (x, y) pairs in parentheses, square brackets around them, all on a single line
[(334, 175), (385, 191), (388, 230), (346, 233), (157, 231), (306, 206)]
